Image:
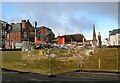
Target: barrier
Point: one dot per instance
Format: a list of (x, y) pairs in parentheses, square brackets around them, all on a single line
[(55, 61)]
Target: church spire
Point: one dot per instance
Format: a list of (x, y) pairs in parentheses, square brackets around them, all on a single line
[(94, 36)]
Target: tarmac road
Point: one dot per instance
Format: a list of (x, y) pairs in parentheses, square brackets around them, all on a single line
[(15, 77)]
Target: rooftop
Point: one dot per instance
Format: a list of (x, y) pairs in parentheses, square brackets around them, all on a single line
[(74, 37), (115, 31)]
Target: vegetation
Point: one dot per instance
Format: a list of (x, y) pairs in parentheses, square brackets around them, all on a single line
[(103, 59)]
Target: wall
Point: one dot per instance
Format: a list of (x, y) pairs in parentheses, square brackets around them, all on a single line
[(45, 35), (28, 30), (15, 37), (112, 39), (115, 39), (61, 40)]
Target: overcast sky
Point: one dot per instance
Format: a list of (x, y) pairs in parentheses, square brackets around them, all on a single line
[(66, 17)]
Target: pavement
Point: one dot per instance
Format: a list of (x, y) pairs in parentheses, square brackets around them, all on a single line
[(70, 77), (100, 76)]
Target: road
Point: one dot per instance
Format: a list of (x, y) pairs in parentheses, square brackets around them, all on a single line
[(11, 77)]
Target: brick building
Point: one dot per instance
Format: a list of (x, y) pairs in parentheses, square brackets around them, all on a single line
[(45, 35), (5, 29), (70, 38), (22, 31), (78, 39), (14, 34)]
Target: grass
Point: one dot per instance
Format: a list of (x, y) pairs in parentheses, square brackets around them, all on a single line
[(108, 60), (13, 60), (62, 62)]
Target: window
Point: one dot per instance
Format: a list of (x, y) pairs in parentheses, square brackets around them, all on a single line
[(113, 42), (25, 35), (1, 32), (119, 42), (8, 36), (119, 36)]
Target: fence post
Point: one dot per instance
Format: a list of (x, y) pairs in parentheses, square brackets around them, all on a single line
[(118, 61), (20, 61), (49, 58), (99, 63), (78, 60), (81, 66), (50, 63)]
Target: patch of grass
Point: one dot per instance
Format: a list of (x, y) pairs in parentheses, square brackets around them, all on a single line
[(103, 60), (47, 66), (63, 63), (11, 59), (11, 55)]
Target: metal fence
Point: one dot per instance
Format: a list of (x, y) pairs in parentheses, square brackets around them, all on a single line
[(56, 61)]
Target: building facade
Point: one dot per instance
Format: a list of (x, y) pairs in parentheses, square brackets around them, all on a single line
[(5, 29), (71, 38), (45, 35), (114, 37), (22, 31), (14, 34)]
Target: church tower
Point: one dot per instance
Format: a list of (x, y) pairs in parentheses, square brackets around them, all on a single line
[(94, 41)]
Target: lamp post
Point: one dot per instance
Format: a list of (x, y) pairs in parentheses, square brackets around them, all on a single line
[(83, 42), (35, 32)]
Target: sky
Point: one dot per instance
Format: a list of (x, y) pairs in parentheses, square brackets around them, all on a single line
[(65, 17)]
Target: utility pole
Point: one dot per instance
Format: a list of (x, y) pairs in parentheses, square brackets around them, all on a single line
[(83, 42)]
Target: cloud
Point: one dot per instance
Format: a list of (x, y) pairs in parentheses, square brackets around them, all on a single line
[(119, 15), (62, 17), (0, 10)]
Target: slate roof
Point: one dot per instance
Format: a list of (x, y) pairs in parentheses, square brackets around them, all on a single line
[(5, 26), (73, 37), (15, 30), (16, 27), (41, 27), (115, 31), (49, 30)]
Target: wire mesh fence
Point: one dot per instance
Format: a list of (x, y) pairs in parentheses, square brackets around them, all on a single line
[(56, 61)]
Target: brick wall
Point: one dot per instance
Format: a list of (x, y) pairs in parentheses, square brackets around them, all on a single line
[(15, 36), (45, 35), (43, 31)]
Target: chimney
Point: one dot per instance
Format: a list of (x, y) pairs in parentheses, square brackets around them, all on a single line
[(110, 32), (23, 21), (12, 23)]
